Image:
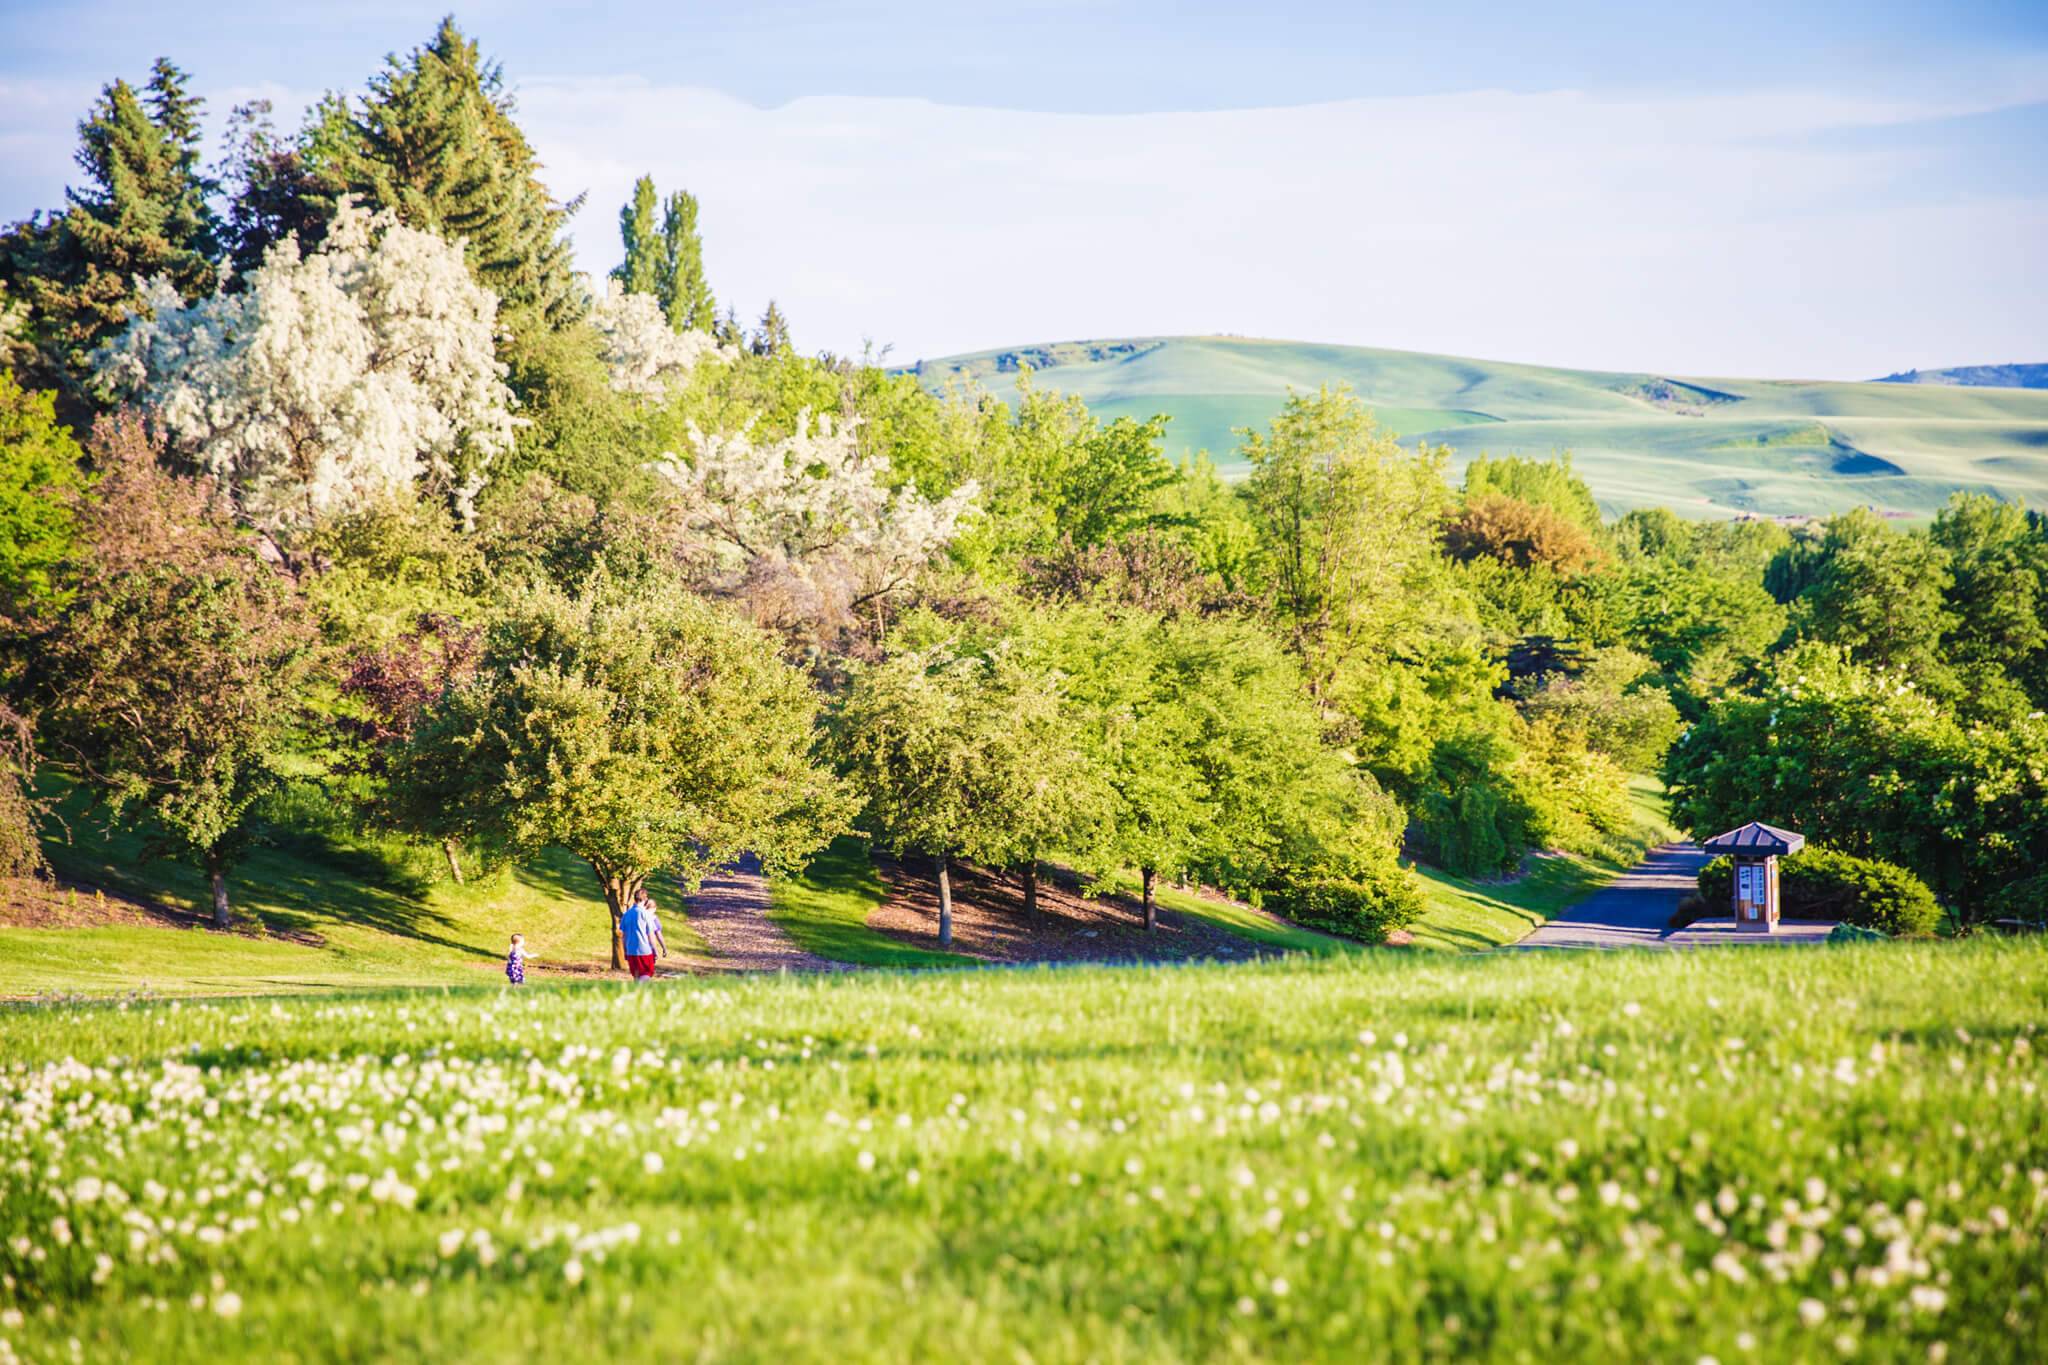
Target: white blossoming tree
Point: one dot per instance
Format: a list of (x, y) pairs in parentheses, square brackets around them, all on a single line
[(808, 524), (332, 381), (644, 354)]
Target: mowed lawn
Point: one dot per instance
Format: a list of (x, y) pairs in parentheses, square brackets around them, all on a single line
[(1756, 1155)]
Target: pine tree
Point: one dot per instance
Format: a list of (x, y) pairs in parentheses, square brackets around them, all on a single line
[(435, 140), (728, 330), (685, 293), (772, 337), (142, 212)]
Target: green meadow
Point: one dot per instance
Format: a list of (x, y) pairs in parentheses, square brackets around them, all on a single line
[(1703, 447), (1748, 1155)]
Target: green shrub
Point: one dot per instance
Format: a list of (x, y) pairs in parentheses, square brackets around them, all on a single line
[(1472, 818), (1366, 902), (1821, 884)]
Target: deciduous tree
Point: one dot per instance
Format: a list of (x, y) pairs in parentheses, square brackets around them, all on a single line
[(638, 727), (170, 680)]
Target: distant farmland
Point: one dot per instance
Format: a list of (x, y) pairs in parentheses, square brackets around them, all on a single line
[(1704, 447)]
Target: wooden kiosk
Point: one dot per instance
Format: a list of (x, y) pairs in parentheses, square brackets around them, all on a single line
[(1756, 848)]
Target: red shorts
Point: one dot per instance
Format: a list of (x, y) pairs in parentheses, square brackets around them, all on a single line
[(641, 964)]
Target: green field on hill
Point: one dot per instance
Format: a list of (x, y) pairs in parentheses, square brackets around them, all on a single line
[(1704, 447), (1744, 1155)]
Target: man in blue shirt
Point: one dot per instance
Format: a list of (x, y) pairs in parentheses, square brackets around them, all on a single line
[(640, 928)]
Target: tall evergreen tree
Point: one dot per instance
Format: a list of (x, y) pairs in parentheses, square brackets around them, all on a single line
[(666, 260), (640, 272), (142, 212), (685, 292), (772, 337), (435, 141)]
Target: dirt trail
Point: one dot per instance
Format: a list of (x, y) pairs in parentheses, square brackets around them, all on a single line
[(731, 911)]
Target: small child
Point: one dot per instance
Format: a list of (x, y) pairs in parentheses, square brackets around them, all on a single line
[(515, 961)]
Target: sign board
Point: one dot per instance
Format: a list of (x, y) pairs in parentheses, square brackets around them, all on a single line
[(1749, 879)]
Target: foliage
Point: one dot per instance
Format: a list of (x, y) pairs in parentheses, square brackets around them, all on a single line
[(643, 353), (170, 679), (142, 214), (638, 727), (21, 810), (335, 381), (1706, 630), (39, 480), (1864, 762), (1998, 600), (666, 261), (1518, 533), (807, 528), (771, 338), (958, 754), (1820, 883), (1606, 705), (274, 193), (1347, 523), (434, 141), (1879, 593), (1549, 484)]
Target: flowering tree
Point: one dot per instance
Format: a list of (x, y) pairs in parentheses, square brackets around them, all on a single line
[(812, 510), (643, 353), (332, 381)]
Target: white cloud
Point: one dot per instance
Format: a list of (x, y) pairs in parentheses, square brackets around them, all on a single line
[(1702, 235), (1727, 234)]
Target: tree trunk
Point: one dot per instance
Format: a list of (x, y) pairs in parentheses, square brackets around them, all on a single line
[(945, 869), (618, 889), (1031, 888), (1146, 876), (217, 873), (454, 860)]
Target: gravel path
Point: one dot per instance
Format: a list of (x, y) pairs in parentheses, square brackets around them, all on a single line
[(731, 911), (1634, 911)]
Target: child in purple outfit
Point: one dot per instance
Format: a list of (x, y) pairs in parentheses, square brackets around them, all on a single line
[(515, 961)]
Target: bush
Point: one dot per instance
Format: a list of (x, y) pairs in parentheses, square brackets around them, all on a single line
[(1472, 818), (1367, 902), (1821, 884)]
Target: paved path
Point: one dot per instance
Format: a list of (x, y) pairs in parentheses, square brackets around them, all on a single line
[(731, 911), (1634, 911)]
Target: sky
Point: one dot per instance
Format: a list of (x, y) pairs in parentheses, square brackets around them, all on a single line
[(1811, 190)]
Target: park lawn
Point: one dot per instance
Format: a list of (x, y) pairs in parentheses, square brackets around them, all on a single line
[(312, 910), (1359, 1156), (1467, 913), (825, 908)]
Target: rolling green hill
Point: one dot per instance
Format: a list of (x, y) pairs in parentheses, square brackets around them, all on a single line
[(1704, 447)]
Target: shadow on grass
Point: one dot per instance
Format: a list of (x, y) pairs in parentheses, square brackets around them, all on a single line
[(295, 883)]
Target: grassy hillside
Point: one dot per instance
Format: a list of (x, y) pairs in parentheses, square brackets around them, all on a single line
[(334, 911), (1705, 447), (1758, 1155)]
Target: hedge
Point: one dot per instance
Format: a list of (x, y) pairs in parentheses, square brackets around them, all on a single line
[(1821, 884)]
